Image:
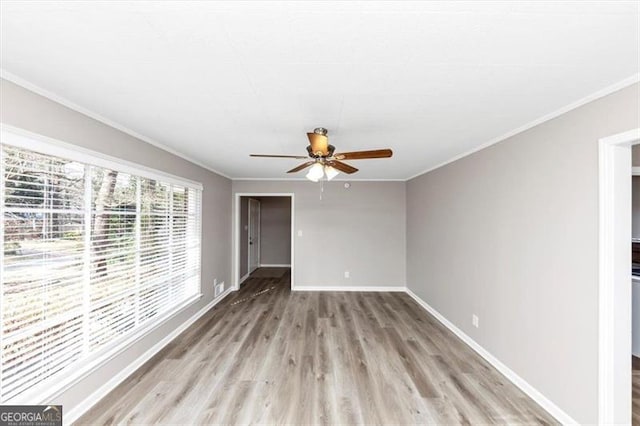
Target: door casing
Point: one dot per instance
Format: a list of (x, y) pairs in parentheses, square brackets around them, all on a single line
[(253, 243), (615, 170), (236, 233)]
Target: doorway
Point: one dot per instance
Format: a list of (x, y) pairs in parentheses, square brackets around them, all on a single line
[(635, 284), (615, 231), (263, 235)]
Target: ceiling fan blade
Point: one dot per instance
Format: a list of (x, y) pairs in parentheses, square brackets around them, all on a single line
[(319, 143), (343, 167), (301, 166), (300, 157), (363, 155)]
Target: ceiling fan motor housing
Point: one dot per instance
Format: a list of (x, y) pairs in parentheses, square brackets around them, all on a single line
[(330, 148)]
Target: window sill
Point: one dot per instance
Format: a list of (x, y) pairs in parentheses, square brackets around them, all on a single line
[(48, 390)]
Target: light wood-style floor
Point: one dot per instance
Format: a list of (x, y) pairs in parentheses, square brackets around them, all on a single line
[(267, 355)]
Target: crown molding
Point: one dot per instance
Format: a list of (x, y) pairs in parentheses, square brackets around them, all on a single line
[(104, 120), (71, 105), (307, 180), (580, 102)]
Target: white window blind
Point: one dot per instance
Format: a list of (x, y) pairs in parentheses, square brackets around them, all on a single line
[(90, 255)]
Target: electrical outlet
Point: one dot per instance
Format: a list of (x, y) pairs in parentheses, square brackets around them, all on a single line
[(219, 289), (475, 321), (347, 274), (299, 232)]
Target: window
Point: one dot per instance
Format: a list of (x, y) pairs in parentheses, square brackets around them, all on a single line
[(91, 256)]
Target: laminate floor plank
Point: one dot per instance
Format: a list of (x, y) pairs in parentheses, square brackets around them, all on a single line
[(266, 355)]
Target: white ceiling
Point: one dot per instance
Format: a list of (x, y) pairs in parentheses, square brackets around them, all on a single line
[(216, 81)]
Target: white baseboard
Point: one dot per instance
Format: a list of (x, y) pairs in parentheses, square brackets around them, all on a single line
[(275, 265), (349, 288), (76, 412), (532, 392)]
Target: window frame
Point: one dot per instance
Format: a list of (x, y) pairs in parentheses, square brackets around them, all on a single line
[(53, 386)]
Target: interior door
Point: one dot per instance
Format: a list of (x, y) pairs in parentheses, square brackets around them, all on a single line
[(254, 235)]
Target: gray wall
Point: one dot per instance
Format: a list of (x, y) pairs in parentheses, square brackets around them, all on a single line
[(244, 236), (29, 111), (360, 230), (510, 233), (635, 202), (275, 230), (635, 155)]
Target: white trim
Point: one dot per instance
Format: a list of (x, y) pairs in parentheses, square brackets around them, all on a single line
[(199, 234), (589, 98), (48, 389), (250, 219), (325, 182), (249, 271), (275, 265), (385, 289), (293, 227), (69, 104), (56, 384), (76, 412), (614, 377), (532, 392), (36, 142), (635, 171), (243, 279), (72, 105), (235, 247)]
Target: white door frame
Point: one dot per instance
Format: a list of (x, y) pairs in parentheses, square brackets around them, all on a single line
[(249, 242), (614, 393), (236, 232)]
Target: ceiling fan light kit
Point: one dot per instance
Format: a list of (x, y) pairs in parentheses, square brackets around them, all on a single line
[(323, 160), (330, 172), (316, 172)]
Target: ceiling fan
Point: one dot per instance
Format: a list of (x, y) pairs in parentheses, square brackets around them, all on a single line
[(324, 160)]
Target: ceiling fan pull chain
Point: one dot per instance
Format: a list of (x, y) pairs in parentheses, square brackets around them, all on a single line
[(321, 189)]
